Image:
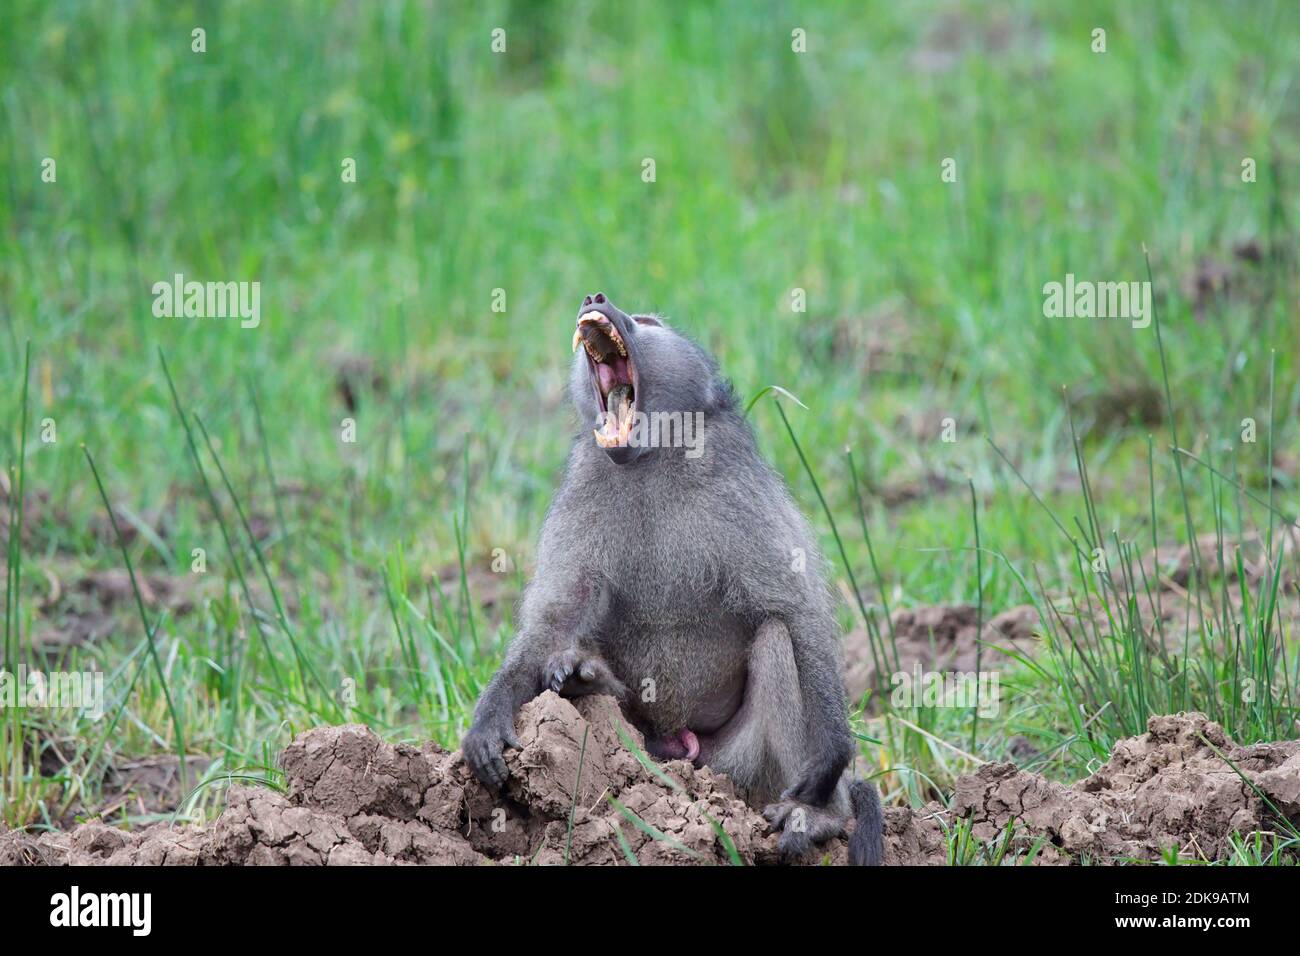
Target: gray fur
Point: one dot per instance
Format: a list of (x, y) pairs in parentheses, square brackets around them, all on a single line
[(678, 574)]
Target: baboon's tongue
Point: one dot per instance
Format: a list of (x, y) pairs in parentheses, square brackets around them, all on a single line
[(616, 422), (612, 371), (619, 400)]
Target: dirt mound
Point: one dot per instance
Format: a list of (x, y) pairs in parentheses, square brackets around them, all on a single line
[(1166, 790), (1218, 557), (350, 798), (940, 638)]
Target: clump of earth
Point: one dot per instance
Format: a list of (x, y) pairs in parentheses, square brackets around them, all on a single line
[(578, 794), (939, 638)]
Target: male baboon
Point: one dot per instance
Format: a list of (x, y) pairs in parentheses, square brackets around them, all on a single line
[(685, 581)]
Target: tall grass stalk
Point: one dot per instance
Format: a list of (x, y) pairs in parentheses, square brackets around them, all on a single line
[(873, 632), (177, 728)]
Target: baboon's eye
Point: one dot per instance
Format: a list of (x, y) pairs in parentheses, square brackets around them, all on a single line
[(646, 320)]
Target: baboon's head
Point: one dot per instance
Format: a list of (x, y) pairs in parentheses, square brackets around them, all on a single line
[(635, 366)]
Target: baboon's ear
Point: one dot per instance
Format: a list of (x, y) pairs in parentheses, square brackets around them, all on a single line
[(646, 320)]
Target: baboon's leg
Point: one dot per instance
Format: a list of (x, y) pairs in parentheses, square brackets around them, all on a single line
[(764, 747), (760, 747)]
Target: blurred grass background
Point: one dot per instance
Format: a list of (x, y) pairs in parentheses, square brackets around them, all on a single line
[(522, 171)]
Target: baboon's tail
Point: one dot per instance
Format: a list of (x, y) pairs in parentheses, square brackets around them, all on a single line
[(867, 845)]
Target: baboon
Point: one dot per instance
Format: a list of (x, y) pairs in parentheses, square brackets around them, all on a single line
[(690, 587)]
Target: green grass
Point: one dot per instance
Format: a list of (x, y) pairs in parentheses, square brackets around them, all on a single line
[(360, 580)]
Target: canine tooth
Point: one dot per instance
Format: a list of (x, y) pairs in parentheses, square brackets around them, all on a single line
[(577, 337)]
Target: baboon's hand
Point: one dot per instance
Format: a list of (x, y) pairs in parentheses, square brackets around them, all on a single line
[(801, 826), (574, 672), (484, 746)]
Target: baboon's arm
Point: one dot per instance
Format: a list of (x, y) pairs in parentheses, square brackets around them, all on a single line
[(551, 620)]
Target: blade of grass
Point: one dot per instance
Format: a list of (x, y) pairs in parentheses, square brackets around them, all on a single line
[(305, 667), (573, 807), (14, 772), (144, 620), (643, 758), (871, 552), (979, 615), (653, 831), (270, 474), (877, 652), (221, 522)]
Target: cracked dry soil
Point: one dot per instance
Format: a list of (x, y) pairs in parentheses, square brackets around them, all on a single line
[(350, 798)]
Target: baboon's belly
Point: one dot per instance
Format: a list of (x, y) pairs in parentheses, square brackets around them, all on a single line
[(683, 676)]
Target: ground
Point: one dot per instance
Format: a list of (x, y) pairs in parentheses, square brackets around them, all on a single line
[(581, 791)]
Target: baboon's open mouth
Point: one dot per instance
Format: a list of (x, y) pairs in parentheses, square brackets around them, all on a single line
[(613, 377)]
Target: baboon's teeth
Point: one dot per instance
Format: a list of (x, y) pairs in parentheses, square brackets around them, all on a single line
[(612, 331), (616, 426), (606, 326), (577, 338)]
